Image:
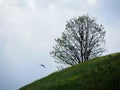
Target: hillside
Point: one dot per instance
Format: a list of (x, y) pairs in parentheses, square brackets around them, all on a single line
[(97, 74)]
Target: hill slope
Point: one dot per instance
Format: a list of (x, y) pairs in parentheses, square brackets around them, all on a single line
[(98, 74)]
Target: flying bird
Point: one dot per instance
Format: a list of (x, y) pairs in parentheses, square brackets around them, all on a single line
[(42, 65)]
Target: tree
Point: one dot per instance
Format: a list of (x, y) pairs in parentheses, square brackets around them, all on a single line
[(82, 40)]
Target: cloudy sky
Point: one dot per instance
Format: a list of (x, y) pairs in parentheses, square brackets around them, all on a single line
[(28, 29)]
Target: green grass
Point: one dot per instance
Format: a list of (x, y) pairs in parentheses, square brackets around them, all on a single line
[(97, 74)]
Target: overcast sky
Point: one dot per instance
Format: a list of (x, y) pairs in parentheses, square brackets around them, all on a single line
[(28, 29)]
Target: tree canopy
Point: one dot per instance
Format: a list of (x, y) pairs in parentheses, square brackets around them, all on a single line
[(82, 40)]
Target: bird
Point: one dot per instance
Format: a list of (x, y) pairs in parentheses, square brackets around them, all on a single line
[(42, 65)]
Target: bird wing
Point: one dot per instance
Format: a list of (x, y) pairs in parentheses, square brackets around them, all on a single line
[(42, 65)]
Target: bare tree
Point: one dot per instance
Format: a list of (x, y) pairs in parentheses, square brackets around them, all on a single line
[(82, 39)]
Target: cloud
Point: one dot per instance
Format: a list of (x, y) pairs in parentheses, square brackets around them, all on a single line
[(112, 39), (92, 2)]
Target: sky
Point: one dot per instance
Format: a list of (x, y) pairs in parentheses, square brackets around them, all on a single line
[(28, 29)]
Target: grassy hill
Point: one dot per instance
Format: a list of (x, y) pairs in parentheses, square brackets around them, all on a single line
[(97, 74)]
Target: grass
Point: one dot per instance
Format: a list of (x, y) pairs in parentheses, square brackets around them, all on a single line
[(97, 74)]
